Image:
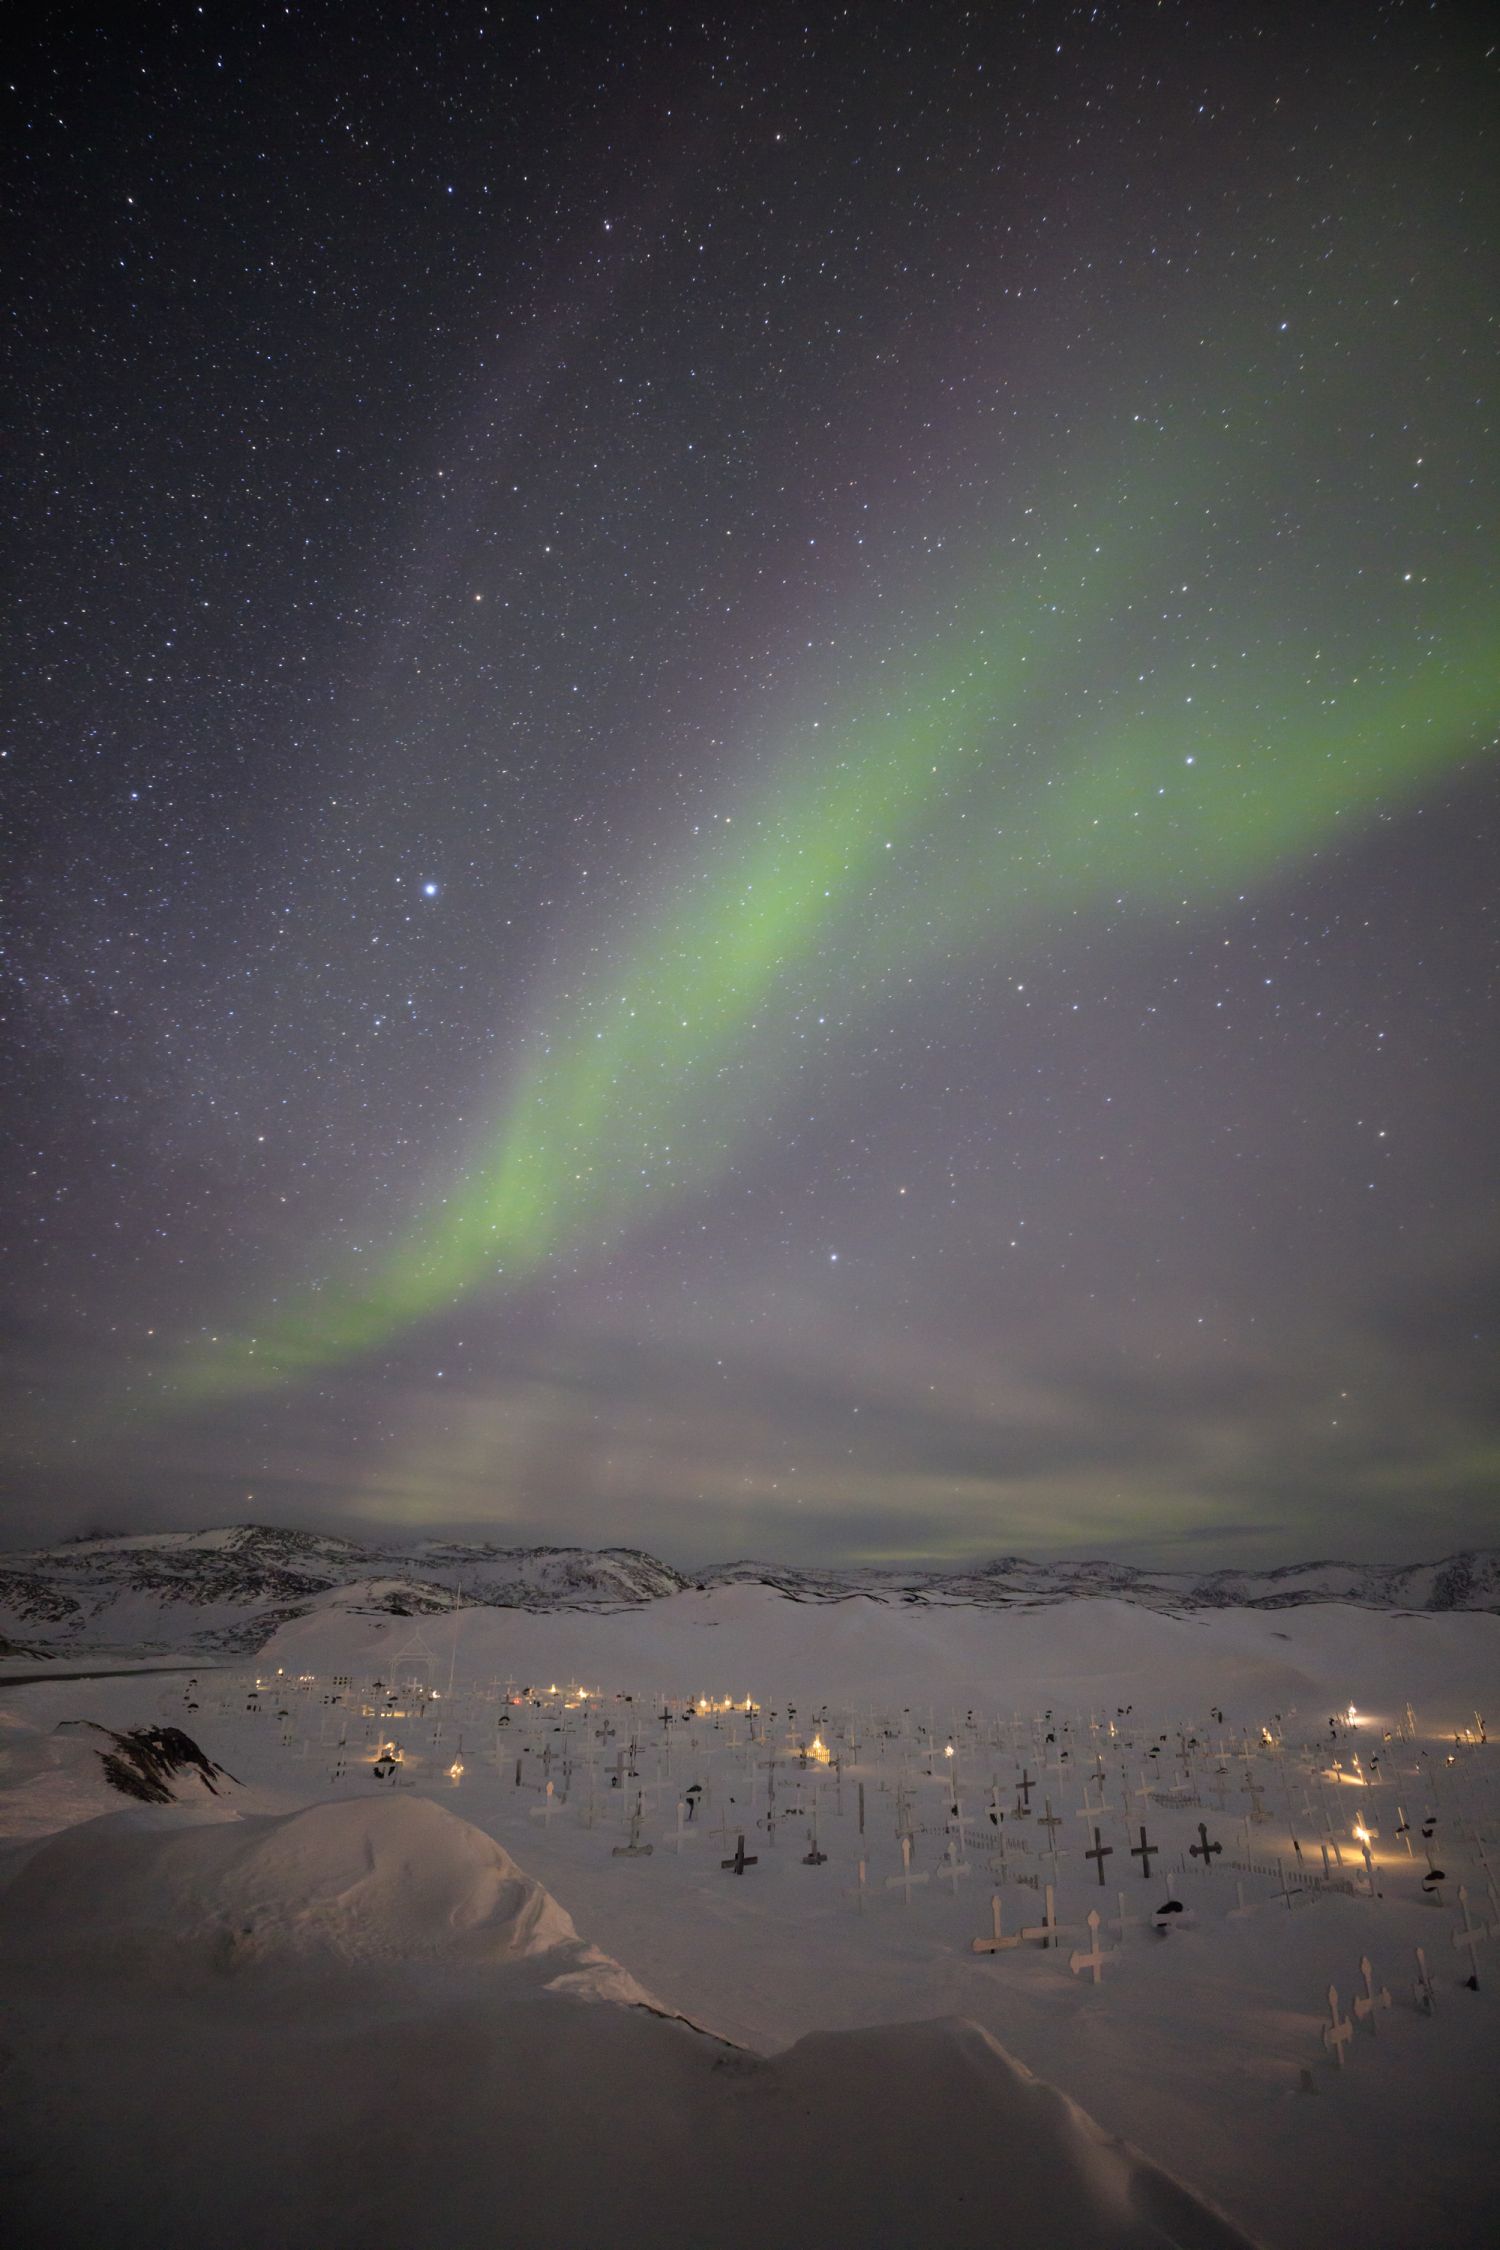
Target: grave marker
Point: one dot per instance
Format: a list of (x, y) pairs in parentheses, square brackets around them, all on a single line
[(905, 1879), (1367, 2002), (1145, 1853), (1338, 2031), (997, 1942), (1093, 1960), (1203, 1849)]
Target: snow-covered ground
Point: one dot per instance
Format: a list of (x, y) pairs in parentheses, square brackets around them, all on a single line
[(354, 1998)]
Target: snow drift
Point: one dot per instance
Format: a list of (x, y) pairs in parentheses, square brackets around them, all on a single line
[(363, 2025)]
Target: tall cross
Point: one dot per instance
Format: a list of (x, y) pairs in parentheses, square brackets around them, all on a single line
[(1101, 1852), (1051, 1821), (1024, 1787), (1145, 1853)]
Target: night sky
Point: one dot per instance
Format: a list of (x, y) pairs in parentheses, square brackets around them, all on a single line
[(749, 777)]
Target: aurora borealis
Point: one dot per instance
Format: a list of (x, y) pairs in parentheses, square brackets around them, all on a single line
[(752, 777)]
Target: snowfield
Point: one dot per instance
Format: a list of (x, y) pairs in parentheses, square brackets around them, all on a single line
[(456, 1958)]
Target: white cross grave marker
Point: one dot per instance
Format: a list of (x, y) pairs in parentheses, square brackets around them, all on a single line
[(1338, 2031), (1093, 1960), (1050, 1929), (997, 1942), (1422, 1991), (1469, 1935), (905, 1880), (1366, 2002)]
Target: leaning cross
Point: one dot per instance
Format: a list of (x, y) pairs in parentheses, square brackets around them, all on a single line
[(1093, 1960), (1338, 2031), (741, 1860), (1145, 1853), (1101, 1852), (1203, 1849)]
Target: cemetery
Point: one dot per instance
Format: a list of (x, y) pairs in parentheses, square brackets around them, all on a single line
[(1228, 1885)]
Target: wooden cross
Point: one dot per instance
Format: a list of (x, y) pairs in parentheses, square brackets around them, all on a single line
[(681, 1834), (635, 1849), (1203, 1849), (952, 1866), (1101, 1852), (1366, 2002), (1422, 1991), (859, 1890), (1124, 1920), (1051, 1821), (1093, 1960), (1049, 1929), (1024, 1787), (996, 1943), (1145, 1853), (1470, 1935), (1338, 2031), (741, 1860), (905, 1880)]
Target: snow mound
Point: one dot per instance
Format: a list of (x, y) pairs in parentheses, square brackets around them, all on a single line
[(422, 2071), (398, 1879)]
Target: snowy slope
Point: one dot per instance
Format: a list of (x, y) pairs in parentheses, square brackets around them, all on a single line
[(361, 2025)]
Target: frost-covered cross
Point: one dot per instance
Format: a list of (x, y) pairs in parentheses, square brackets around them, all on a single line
[(1422, 1991), (681, 1834), (635, 1849), (1093, 1960), (905, 1880), (1469, 1936), (1124, 1920), (1049, 1929), (1338, 2031), (997, 1942), (1366, 2002)]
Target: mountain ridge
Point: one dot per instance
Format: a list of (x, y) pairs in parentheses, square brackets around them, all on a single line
[(224, 1590)]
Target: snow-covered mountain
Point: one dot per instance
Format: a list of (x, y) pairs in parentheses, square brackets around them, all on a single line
[(226, 1591)]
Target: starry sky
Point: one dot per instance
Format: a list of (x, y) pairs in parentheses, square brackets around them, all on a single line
[(749, 777)]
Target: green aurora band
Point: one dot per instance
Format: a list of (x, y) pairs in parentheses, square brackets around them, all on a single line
[(980, 799)]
